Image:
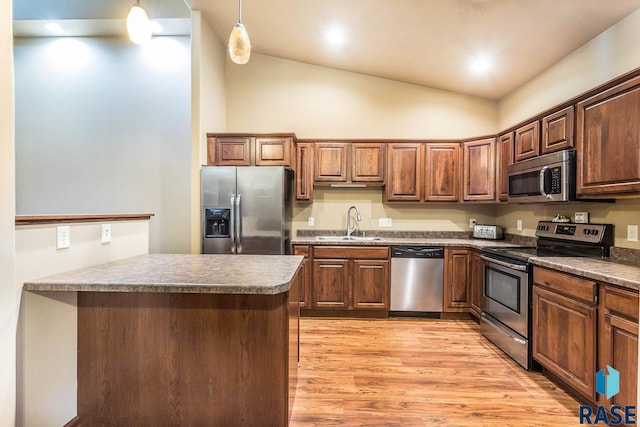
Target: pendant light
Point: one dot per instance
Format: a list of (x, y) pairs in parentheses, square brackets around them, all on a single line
[(239, 44), (138, 24)]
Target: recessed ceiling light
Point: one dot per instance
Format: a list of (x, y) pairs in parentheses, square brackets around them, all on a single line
[(480, 65), (54, 28), (335, 37)]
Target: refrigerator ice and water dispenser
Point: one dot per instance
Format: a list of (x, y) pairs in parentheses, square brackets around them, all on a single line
[(217, 222)]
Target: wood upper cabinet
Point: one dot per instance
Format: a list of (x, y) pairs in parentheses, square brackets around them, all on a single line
[(331, 162), (345, 162), (479, 170), (404, 172), (456, 280), (273, 151), (367, 162), (564, 328), (527, 141), (442, 172), (249, 150), (557, 130), (304, 172), (229, 151), (476, 281), (305, 274), (618, 341), (504, 157), (351, 278), (608, 142)]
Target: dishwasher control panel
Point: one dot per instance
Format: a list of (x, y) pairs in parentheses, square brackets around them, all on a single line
[(417, 252)]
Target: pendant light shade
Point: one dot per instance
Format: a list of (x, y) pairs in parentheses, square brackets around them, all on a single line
[(239, 44), (138, 24)]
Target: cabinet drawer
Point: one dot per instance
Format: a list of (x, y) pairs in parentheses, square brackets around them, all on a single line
[(621, 301), (359, 252), (302, 250), (572, 286)]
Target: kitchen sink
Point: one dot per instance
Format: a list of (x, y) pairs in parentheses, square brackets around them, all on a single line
[(348, 239)]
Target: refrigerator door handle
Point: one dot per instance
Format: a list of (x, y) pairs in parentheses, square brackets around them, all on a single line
[(233, 223), (239, 224)]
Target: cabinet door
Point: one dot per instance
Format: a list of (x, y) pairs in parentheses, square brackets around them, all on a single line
[(479, 170), (477, 278), (229, 151), (527, 141), (304, 172), (456, 280), (564, 332), (608, 142), (404, 174), (331, 162), (368, 162), (504, 157), (442, 173), (273, 151), (618, 342), (371, 284), (331, 283), (557, 131), (305, 275)]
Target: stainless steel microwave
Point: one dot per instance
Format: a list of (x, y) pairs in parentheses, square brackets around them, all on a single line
[(546, 178)]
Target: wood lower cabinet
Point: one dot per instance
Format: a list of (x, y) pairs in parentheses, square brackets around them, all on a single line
[(527, 141), (608, 142), (404, 173), (476, 271), (442, 172), (350, 278), (305, 274), (304, 172), (504, 157), (618, 341), (564, 328), (479, 170), (557, 130), (456, 280)]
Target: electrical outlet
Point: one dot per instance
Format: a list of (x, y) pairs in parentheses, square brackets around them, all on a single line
[(106, 233), (472, 222), (632, 233), (311, 221), (519, 225), (63, 237), (385, 222)]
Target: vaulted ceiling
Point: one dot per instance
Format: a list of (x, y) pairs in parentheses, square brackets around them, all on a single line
[(423, 42)]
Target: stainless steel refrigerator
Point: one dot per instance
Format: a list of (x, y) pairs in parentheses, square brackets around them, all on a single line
[(246, 209)]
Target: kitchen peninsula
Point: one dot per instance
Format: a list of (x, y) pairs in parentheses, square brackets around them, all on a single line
[(185, 339)]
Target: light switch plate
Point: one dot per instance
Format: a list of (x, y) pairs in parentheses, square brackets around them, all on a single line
[(311, 221), (106, 233), (385, 222), (519, 225), (63, 236), (632, 233)]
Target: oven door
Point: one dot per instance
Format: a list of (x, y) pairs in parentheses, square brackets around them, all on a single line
[(506, 295)]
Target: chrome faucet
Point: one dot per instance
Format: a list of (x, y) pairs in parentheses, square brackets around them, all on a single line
[(351, 229)]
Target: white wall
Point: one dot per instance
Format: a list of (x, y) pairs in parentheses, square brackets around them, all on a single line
[(47, 329), (9, 292), (103, 125), (276, 95), (208, 100), (609, 55)]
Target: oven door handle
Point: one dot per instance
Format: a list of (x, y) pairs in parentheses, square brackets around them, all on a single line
[(504, 264)]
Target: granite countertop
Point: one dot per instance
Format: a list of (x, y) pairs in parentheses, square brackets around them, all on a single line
[(215, 274), (624, 275), (417, 241)]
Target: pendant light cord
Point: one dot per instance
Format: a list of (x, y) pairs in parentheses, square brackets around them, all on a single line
[(240, 11)]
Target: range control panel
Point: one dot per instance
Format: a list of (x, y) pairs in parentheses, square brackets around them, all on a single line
[(588, 233)]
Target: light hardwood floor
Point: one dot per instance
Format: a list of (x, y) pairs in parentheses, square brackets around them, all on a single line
[(417, 372)]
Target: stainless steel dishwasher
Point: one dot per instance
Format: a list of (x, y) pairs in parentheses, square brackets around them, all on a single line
[(417, 280)]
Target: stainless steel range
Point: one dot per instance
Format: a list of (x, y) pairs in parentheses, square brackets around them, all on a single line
[(506, 304)]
